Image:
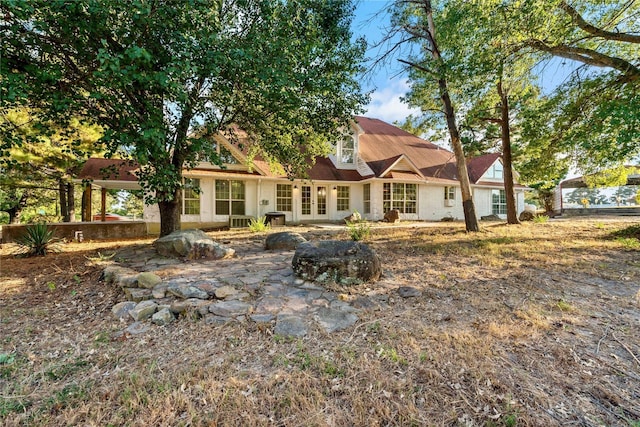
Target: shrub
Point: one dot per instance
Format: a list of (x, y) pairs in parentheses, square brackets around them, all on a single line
[(259, 224), (358, 230), (540, 219), (38, 240)]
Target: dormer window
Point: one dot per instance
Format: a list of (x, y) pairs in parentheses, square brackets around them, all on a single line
[(496, 171), (346, 150)]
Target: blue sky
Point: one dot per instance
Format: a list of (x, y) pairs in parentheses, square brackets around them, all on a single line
[(387, 81)]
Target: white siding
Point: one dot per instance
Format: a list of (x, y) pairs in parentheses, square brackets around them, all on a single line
[(432, 206), (260, 198), (482, 201)]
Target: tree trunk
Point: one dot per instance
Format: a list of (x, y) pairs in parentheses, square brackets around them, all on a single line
[(170, 211), (14, 211), (470, 218), (71, 202), (512, 209)]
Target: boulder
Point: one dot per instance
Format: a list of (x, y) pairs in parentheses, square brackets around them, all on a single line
[(526, 216), (492, 217), (333, 261), (284, 241), (354, 217), (191, 244), (392, 216)]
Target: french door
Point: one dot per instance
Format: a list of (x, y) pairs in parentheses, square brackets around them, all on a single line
[(313, 202)]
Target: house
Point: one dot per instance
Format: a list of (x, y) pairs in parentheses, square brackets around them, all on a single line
[(378, 168)]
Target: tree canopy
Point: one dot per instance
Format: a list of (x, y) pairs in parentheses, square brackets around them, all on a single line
[(163, 78)]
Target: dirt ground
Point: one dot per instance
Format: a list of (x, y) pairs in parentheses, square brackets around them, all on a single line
[(531, 325)]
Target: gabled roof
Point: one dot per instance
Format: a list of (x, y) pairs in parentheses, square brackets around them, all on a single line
[(382, 145), (633, 178), (109, 170), (390, 152), (478, 166)]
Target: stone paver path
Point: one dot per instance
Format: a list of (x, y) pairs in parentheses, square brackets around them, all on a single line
[(258, 285)]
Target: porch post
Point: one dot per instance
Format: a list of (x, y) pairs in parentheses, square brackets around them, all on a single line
[(103, 206), (86, 204)]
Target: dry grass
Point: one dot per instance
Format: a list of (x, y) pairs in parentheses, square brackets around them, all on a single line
[(536, 325)]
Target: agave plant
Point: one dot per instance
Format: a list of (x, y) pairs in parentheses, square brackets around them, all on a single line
[(257, 225), (38, 240)]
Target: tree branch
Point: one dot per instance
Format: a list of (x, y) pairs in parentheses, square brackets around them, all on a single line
[(588, 56), (598, 32), (417, 66)]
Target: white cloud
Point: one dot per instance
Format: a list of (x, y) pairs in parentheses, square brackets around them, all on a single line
[(386, 105)]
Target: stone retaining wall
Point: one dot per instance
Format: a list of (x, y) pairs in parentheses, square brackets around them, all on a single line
[(90, 230)]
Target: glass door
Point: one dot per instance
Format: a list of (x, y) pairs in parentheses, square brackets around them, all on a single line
[(313, 202)]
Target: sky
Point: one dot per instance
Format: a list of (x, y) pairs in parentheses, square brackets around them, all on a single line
[(387, 82)]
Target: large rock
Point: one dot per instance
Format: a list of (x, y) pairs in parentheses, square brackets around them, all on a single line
[(354, 217), (492, 217), (284, 241), (392, 216), (527, 216), (332, 261), (191, 244)]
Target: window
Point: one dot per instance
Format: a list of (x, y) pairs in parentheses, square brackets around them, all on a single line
[(366, 196), (347, 150), (230, 197), (449, 193), (400, 196), (343, 198), (496, 171), (498, 202), (191, 197), (283, 197)]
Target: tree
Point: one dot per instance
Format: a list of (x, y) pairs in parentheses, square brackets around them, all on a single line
[(428, 70), (44, 156), (492, 81), (593, 196), (163, 79), (624, 195), (594, 117)]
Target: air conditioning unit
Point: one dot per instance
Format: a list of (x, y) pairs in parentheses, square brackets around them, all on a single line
[(449, 203)]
